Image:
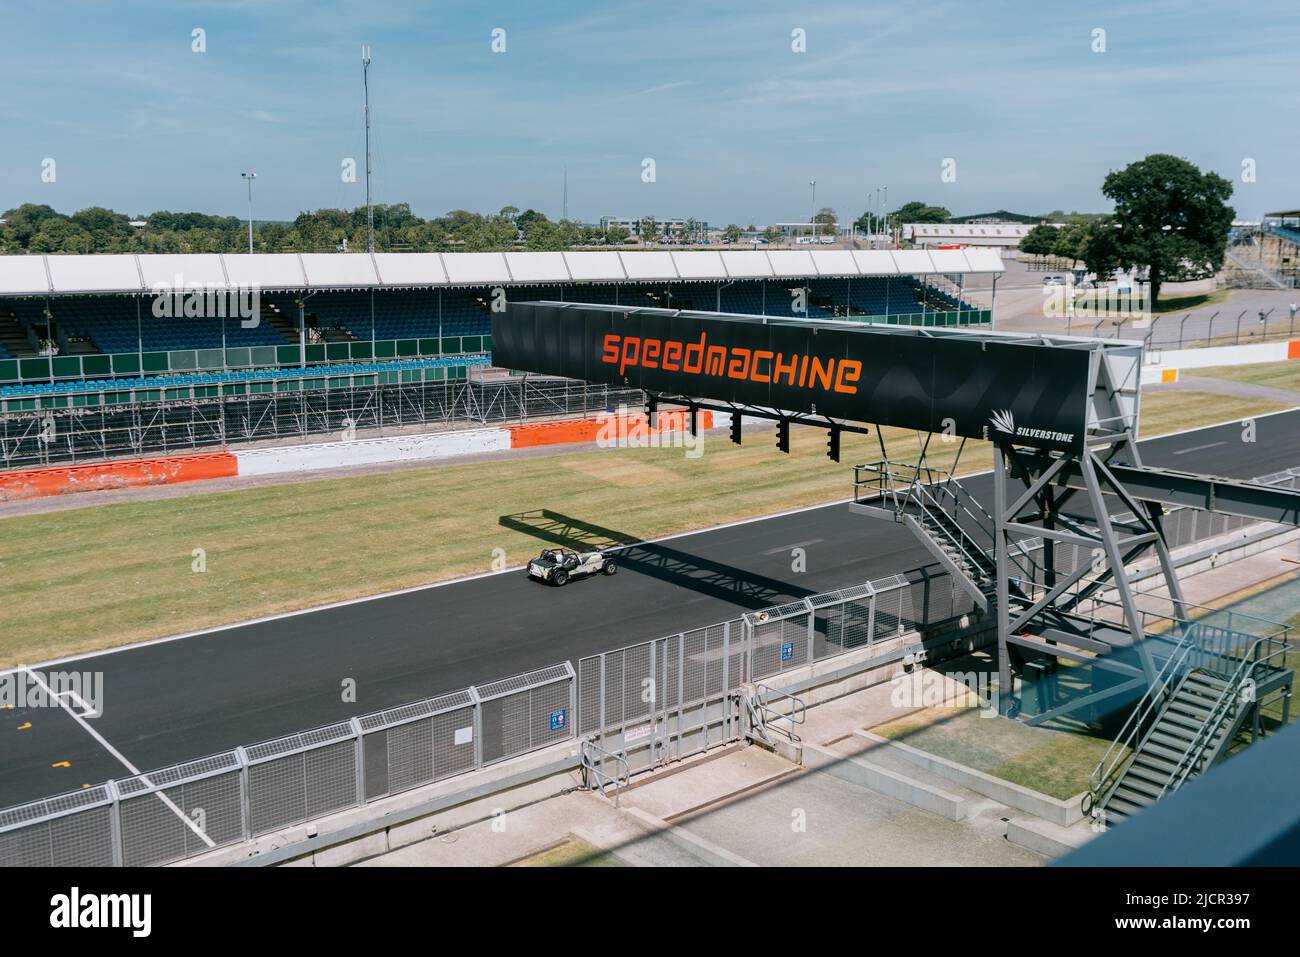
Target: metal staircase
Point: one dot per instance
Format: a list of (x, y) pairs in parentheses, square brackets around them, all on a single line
[(934, 506), (1212, 683)]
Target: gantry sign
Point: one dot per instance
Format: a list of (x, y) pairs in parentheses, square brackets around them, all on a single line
[(931, 380), (1061, 413)]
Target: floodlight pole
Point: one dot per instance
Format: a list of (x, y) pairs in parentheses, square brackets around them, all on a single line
[(370, 212), (885, 211), (812, 220), (248, 178)]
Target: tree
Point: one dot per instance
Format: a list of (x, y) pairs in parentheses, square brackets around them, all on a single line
[(824, 221), (22, 223), (526, 219), (1170, 219), (542, 234), (1040, 241), (59, 234), (1071, 242), (918, 212), (649, 229), (731, 234), (772, 234)]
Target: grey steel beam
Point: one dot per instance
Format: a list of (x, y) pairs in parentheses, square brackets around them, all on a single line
[(1262, 502)]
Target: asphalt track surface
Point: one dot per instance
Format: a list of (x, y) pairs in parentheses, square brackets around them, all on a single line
[(177, 700)]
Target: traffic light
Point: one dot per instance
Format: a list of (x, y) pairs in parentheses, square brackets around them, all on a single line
[(833, 445), (783, 435), (735, 427)]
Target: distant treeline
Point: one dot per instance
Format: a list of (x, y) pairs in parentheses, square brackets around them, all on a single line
[(40, 229)]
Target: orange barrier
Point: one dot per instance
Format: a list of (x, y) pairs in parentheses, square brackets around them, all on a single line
[(589, 430), (64, 480), (1293, 349)]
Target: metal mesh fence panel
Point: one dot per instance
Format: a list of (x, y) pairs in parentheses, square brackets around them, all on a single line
[(302, 776), (893, 607), (330, 778), (73, 838), (781, 644), (637, 689), (418, 743), (275, 794), (590, 692), (374, 750), (842, 619), (703, 663), (668, 673), (933, 598), (525, 713), (170, 824), (613, 685), (176, 812)]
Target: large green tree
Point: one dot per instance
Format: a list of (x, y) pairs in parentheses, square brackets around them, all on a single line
[(1072, 242), (1040, 241), (1170, 219)]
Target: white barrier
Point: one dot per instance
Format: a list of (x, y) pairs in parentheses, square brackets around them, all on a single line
[(401, 448), (1165, 366)]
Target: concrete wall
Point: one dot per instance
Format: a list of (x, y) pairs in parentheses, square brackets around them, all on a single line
[(403, 448)]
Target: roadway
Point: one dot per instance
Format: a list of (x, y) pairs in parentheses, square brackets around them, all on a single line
[(175, 700)]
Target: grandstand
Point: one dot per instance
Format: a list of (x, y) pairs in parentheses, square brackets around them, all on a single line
[(1277, 249), (389, 339), (71, 323)]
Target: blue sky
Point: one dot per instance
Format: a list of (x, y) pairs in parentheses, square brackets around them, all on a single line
[(736, 122)]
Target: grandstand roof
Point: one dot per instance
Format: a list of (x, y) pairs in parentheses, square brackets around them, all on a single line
[(998, 216), (125, 274)]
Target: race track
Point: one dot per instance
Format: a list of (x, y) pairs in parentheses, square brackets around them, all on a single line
[(175, 700)]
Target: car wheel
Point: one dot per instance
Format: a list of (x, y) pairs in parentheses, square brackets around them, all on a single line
[(611, 566), (560, 577)]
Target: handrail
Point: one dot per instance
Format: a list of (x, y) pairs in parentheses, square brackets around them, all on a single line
[(925, 486), (622, 773), (1100, 779), (797, 714), (959, 539), (1219, 712)]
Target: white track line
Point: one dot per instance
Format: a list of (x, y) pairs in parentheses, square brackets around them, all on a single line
[(517, 568), (118, 754)]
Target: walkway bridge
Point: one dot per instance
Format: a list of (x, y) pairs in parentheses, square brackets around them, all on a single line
[(1061, 415)]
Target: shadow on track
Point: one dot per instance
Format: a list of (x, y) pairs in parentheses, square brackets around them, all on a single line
[(657, 560)]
